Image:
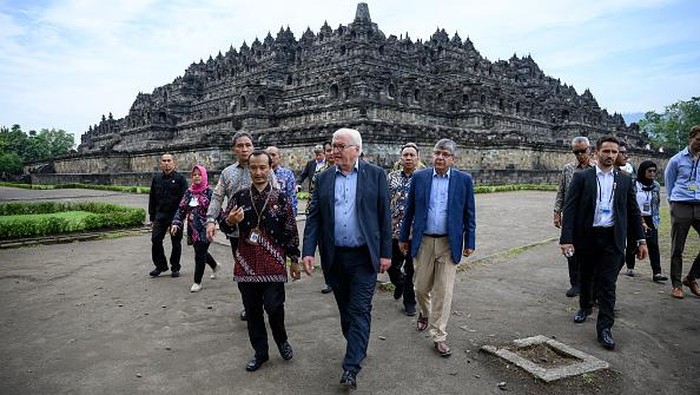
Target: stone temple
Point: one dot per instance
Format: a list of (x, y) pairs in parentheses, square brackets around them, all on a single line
[(512, 122)]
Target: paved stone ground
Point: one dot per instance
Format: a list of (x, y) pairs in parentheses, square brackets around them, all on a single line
[(85, 318)]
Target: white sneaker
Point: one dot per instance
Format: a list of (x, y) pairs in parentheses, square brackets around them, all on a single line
[(213, 272), (195, 287)]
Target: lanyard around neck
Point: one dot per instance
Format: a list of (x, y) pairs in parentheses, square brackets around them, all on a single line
[(600, 189)]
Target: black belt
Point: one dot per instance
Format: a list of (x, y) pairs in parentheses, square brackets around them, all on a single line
[(434, 235), (351, 249), (603, 229)]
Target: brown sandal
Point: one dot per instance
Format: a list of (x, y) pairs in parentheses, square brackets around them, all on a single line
[(421, 323)]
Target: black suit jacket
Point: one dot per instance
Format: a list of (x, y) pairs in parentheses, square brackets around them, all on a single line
[(579, 209), (308, 172), (373, 212)]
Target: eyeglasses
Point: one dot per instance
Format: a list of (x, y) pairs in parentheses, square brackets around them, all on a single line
[(580, 151), (624, 154), (341, 147), (443, 154)]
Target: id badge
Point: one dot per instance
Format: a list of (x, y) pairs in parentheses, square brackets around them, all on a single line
[(646, 207), (194, 202), (605, 208), (254, 237), (693, 187)]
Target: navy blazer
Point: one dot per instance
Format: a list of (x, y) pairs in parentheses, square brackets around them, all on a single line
[(579, 209), (461, 223), (372, 206)]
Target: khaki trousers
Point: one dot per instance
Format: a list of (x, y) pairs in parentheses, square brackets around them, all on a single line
[(434, 281)]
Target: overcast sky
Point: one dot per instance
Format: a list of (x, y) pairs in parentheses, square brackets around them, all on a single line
[(64, 63)]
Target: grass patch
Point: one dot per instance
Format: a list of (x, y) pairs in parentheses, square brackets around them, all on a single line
[(21, 220), (115, 188)]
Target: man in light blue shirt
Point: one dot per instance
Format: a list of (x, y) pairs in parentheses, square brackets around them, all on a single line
[(682, 179)]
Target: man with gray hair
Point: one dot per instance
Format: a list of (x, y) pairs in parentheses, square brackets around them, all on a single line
[(581, 148), (439, 242)]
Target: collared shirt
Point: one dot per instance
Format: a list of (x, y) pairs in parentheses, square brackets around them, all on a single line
[(347, 227), (399, 184), (567, 175), (288, 185), (603, 216), (233, 178), (437, 206), (682, 177), (320, 164)]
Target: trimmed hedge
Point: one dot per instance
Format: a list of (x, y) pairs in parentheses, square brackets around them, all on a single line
[(102, 216), (115, 188), (514, 187)]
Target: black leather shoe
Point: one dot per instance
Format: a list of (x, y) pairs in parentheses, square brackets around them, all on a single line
[(581, 316), (255, 363), (175, 273), (658, 277), (243, 316), (326, 289), (573, 291), (286, 350), (155, 272), (606, 339), (349, 380), (409, 310)]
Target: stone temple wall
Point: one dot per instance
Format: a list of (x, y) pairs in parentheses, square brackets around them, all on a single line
[(506, 115)]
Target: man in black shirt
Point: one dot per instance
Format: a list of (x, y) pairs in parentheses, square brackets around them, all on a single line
[(167, 189)]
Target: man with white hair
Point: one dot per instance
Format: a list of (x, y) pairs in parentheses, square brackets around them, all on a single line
[(350, 221)]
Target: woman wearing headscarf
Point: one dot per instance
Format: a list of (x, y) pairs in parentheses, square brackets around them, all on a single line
[(648, 199), (194, 206)]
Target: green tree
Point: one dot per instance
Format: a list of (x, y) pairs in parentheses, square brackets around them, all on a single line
[(670, 128), (10, 163), (40, 145)]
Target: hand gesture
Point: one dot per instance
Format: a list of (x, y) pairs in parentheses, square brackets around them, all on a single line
[(235, 216)]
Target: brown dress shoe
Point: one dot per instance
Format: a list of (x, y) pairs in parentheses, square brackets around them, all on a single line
[(692, 284), (677, 293)]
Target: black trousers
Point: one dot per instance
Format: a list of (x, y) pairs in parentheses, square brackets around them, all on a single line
[(652, 238), (402, 279), (201, 259), (160, 229), (353, 279), (574, 271), (600, 265), (271, 297)]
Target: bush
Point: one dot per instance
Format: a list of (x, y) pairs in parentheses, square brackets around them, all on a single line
[(115, 188), (101, 216)]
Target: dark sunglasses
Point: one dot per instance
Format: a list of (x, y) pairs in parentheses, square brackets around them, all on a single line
[(580, 151)]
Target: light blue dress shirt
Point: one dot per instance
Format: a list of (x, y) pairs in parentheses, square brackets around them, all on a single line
[(682, 178), (437, 206), (346, 226)]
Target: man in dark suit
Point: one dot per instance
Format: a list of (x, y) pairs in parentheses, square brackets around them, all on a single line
[(350, 220), (600, 212), (312, 166), (440, 206)]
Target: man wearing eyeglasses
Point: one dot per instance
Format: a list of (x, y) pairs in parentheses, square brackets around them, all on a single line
[(350, 221), (440, 212), (580, 147), (622, 161)]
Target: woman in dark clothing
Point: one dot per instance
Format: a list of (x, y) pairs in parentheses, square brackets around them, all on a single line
[(648, 199), (194, 206)]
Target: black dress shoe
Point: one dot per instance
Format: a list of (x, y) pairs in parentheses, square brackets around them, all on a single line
[(155, 272), (606, 339), (581, 316), (175, 273), (326, 289), (409, 310), (573, 291), (349, 380), (255, 363), (286, 350), (243, 316), (658, 277)]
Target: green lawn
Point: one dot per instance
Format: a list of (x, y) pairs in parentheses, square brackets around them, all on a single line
[(73, 216)]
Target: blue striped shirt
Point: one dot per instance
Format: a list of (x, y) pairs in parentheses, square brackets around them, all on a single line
[(346, 226), (437, 207)]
